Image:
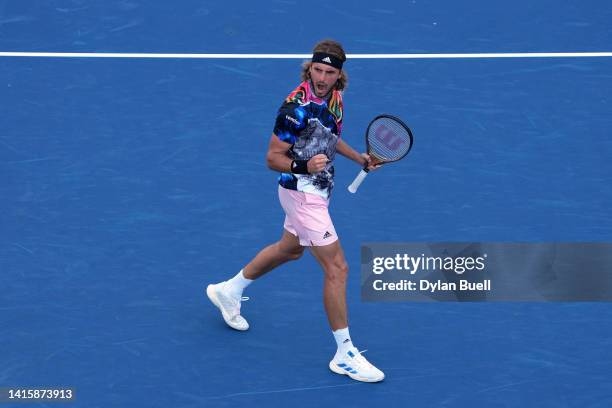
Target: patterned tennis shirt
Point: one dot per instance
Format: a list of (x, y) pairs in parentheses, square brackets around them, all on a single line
[(312, 126)]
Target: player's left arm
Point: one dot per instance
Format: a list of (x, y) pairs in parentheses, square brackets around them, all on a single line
[(360, 158)]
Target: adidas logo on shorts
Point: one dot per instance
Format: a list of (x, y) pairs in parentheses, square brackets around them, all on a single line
[(326, 59), (327, 235)]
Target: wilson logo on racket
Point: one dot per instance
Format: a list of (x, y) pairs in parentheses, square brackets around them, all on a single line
[(389, 138)]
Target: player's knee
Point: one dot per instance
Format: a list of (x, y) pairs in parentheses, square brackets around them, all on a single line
[(292, 254), (295, 255), (343, 270), (337, 273)]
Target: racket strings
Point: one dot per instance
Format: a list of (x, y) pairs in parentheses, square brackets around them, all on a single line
[(388, 140)]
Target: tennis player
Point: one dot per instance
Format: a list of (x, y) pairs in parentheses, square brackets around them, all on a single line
[(302, 148)]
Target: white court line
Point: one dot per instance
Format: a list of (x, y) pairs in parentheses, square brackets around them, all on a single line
[(304, 56)]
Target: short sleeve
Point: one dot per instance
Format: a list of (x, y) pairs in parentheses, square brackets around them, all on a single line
[(290, 121)]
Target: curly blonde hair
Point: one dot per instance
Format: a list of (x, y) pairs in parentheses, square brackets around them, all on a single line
[(329, 47)]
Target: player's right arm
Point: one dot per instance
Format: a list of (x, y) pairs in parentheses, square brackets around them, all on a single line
[(277, 158)]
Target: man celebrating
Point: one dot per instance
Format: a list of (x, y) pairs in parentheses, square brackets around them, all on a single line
[(302, 147)]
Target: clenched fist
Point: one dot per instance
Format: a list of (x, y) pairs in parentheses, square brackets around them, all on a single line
[(317, 163)]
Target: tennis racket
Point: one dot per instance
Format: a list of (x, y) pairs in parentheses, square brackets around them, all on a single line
[(388, 139)]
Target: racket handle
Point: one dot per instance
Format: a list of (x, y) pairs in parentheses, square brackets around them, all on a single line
[(357, 182)]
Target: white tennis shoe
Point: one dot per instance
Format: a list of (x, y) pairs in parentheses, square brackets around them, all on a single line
[(228, 304), (353, 364)]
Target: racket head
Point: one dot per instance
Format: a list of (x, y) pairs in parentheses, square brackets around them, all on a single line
[(388, 139)]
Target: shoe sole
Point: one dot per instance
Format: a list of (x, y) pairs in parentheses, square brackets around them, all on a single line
[(340, 371), (212, 296)]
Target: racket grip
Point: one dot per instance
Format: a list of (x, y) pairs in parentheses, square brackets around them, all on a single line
[(357, 182)]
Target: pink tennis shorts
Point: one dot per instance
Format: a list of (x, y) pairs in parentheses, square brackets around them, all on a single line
[(307, 217)]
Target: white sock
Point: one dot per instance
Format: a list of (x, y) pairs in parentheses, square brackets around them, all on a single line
[(343, 340), (238, 283)]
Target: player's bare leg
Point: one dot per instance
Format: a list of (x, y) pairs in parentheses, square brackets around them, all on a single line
[(335, 268), (348, 359), (227, 295), (288, 248)]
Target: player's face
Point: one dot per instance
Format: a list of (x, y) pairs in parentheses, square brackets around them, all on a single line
[(323, 78)]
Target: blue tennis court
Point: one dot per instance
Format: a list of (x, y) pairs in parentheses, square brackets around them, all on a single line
[(130, 184)]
